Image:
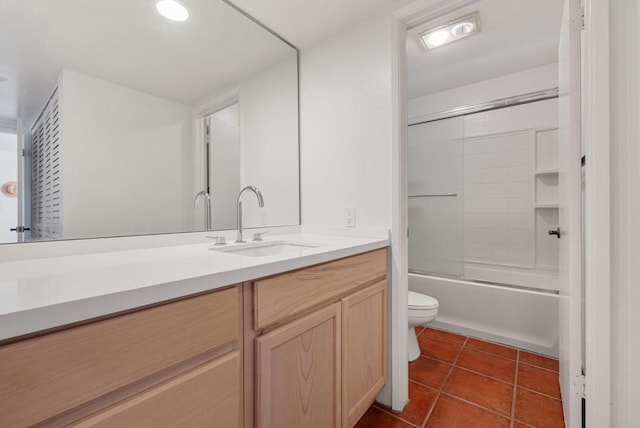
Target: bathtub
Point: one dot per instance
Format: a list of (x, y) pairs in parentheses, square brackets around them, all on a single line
[(513, 316)]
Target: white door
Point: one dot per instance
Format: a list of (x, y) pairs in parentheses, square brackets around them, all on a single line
[(224, 164), (570, 221)]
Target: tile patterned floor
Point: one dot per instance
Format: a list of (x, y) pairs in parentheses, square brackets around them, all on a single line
[(463, 382)]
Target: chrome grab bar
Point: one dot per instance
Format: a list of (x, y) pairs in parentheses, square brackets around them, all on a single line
[(434, 195)]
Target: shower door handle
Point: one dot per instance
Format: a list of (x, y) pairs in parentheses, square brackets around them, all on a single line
[(555, 232)]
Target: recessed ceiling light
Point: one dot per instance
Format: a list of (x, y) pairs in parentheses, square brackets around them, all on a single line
[(173, 10), (452, 31), (438, 38)]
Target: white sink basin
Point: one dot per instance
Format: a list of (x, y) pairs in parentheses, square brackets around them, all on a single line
[(269, 248)]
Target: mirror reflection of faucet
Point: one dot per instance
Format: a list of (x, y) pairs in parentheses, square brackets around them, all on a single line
[(207, 196), (258, 236), (256, 191), (219, 240)]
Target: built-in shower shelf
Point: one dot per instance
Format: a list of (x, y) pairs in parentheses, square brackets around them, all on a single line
[(546, 171), (545, 206)]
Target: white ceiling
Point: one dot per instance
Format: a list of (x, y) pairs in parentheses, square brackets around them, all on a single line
[(39, 37), (305, 22), (128, 43), (515, 35)]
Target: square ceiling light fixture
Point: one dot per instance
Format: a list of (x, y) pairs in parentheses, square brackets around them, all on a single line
[(453, 31)]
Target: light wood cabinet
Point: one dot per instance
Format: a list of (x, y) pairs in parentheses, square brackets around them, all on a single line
[(299, 372), (364, 350), (282, 297), (202, 397), (61, 377), (305, 348), (321, 359)]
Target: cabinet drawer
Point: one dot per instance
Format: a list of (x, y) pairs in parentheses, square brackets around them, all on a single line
[(44, 376), (294, 293), (208, 396)]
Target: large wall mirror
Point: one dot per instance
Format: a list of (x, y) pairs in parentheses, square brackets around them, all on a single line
[(114, 118)]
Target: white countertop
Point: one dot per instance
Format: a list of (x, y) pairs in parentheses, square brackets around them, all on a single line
[(39, 294)]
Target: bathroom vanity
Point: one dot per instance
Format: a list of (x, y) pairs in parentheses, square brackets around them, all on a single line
[(299, 340)]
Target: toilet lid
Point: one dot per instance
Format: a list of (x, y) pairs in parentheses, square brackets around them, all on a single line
[(418, 300)]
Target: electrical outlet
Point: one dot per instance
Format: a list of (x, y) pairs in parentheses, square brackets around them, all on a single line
[(350, 221)]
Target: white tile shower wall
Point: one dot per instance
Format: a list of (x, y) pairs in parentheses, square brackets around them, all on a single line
[(498, 199), (547, 150), (505, 235), (518, 247)]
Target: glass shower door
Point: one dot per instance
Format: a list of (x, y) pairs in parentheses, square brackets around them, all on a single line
[(436, 185)]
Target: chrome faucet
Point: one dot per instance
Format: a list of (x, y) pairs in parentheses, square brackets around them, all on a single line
[(260, 203), (207, 196)]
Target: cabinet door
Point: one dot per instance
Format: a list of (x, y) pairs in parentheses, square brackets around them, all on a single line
[(208, 396), (298, 373), (364, 350)]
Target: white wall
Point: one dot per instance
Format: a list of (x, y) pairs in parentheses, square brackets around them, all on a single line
[(346, 125), (8, 172), (125, 162), (269, 145), (535, 79), (625, 212), (346, 105)]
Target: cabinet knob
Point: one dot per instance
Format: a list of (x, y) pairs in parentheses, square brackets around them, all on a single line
[(555, 232)]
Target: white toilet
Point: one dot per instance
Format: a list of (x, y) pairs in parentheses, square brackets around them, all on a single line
[(422, 309)]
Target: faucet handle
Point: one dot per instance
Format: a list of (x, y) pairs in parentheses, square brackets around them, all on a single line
[(219, 240), (258, 236)]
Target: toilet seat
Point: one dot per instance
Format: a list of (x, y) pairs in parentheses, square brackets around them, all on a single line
[(421, 301), (421, 316)]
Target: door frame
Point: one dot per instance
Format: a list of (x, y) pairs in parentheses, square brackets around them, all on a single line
[(597, 239), (24, 181), (396, 391), (595, 103)]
